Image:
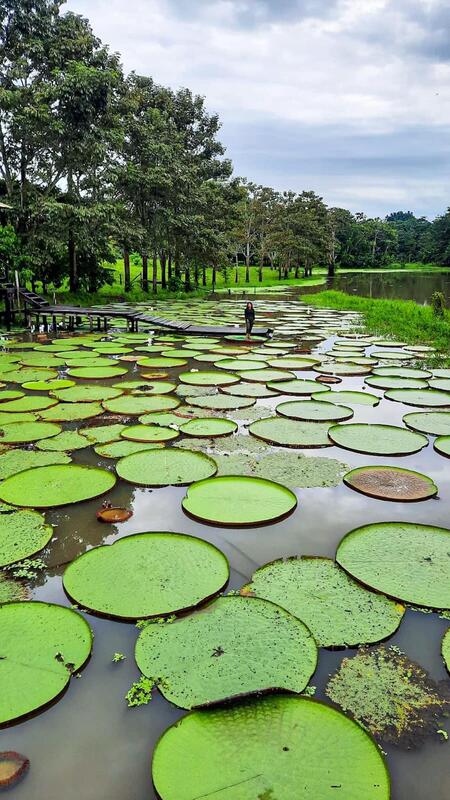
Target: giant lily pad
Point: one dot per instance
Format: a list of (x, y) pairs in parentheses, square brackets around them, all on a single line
[(65, 441), (404, 560), (22, 533), (294, 362), (222, 402), (162, 362), (149, 433), (102, 434), (394, 698), (435, 422), (402, 372), (442, 446), (16, 460), (314, 411), (236, 501), (72, 412), (28, 403), (347, 398), (446, 649), (297, 386), (96, 372), (133, 406), (338, 611), (48, 386), (147, 575), (245, 389), (42, 645), (342, 368), (171, 467), (86, 393), (275, 747), (382, 440), (59, 485), (209, 427), (291, 432), (27, 374), (391, 483), (239, 364), (208, 378), (124, 448), (24, 432), (425, 398), (10, 394), (209, 656), (389, 382), (266, 375)]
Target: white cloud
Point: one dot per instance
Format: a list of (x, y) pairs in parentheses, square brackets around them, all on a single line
[(365, 65)]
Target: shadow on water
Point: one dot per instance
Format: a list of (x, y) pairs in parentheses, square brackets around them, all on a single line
[(417, 286), (90, 746)]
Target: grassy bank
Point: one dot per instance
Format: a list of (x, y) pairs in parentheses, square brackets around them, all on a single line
[(400, 319)]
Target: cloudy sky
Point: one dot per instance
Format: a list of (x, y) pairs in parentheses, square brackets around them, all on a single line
[(350, 98)]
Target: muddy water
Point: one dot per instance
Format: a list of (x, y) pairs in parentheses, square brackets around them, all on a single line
[(90, 746)]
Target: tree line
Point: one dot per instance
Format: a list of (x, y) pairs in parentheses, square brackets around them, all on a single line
[(96, 164)]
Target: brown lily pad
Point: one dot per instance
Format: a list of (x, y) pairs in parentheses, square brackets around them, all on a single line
[(391, 483), (328, 379), (13, 767), (114, 514)]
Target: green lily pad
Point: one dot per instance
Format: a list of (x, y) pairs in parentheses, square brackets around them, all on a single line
[(103, 434), (237, 501), (222, 402), (380, 440), (440, 373), (314, 411), (240, 364), (149, 433), (391, 483), (22, 534), (291, 432), (16, 460), (298, 386), (274, 747), (124, 448), (338, 611), (442, 446), (42, 645), (27, 374), (294, 470), (65, 441), (88, 393), (168, 418), (40, 360), (266, 375), (404, 560), (184, 390), (162, 362), (436, 423), (393, 355), (96, 373), (343, 368), (389, 382), (10, 394), (294, 362), (147, 575), (57, 347), (48, 386), (208, 378), (25, 432), (72, 412), (133, 406), (446, 649), (347, 398), (430, 398), (171, 467), (443, 384), (244, 389), (402, 372), (22, 416), (394, 698), (209, 656), (28, 403), (209, 427), (59, 485)]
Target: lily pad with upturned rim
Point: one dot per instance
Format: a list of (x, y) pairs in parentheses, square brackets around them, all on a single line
[(48, 386), (237, 501), (133, 406), (287, 432), (27, 404), (56, 485), (64, 441), (208, 378), (72, 412), (124, 448), (42, 645), (298, 386), (391, 483), (245, 389), (209, 656), (221, 402), (389, 382), (96, 373), (27, 432), (436, 423), (442, 446), (338, 611), (22, 534), (402, 372), (314, 411), (405, 560), (425, 398), (16, 460), (274, 747), (147, 575), (344, 397), (102, 434), (13, 767), (149, 433), (446, 649), (168, 467), (86, 393), (208, 427), (161, 363), (382, 440)]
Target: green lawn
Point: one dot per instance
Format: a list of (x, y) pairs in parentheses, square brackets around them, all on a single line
[(401, 319)]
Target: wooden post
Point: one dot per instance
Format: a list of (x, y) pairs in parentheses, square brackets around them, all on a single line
[(105, 323), (54, 326), (45, 323)]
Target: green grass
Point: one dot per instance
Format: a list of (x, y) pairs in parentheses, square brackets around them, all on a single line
[(400, 319)]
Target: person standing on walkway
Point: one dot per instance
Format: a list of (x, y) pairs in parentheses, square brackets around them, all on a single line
[(249, 319)]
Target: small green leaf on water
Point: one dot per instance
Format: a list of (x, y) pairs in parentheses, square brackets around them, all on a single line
[(117, 657), (140, 693)]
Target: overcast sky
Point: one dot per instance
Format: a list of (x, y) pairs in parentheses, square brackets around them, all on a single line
[(350, 98)]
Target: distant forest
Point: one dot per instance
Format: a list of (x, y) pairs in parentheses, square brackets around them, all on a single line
[(97, 165)]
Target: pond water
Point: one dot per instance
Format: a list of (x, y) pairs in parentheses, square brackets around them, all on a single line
[(89, 744), (417, 286)]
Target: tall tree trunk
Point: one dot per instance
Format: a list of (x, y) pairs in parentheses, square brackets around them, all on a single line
[(247, 263), (73, 272), (196, 276), (177, 263), (145, 272), (331, 269), (169, 266), (163, 258), (296, 271), (126, 270), (187, 279), (203, 275), (261, 265), (214, 274), (155, 273)]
